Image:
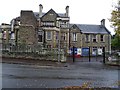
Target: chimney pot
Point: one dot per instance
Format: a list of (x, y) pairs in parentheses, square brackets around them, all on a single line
[(103, 22), (67, 11), (40, 10)]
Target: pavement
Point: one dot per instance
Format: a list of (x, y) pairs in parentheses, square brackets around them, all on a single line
[(82, 62), (33, 62)]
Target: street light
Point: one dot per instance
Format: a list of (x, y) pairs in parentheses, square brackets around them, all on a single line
[(59, 46)]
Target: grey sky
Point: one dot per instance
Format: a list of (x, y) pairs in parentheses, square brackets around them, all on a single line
[(81, 11)]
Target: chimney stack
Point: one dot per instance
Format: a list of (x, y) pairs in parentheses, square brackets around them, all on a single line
[(67, 11), (103, 22), (40, 10)]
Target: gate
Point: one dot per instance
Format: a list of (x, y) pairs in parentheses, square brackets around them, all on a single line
[(96, 55)]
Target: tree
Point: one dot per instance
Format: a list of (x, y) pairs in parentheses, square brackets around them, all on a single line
[(115, 42), (115, 19)]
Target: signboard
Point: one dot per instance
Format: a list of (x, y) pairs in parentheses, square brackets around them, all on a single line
[(77, 52), (94, 51), (85, 51), (100, 51)]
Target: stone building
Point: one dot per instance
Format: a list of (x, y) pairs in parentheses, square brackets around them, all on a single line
[(95, 37), (5, 33), (43, 28), (53, 30)]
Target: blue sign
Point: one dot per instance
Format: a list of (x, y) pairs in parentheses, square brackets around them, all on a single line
[(75, 50), (85, 51)]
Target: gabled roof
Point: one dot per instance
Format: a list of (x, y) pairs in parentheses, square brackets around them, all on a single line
[(58, 14), (51, 15), (95, 29)]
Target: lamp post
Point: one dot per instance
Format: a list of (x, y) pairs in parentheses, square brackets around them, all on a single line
[(69, 39), (16, 37), (59, 45)]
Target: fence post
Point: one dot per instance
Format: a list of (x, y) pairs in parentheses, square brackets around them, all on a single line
[(89, 55), (73, 54), (104, 55)]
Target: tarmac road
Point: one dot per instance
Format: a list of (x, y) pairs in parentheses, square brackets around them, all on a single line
[(75, 74)]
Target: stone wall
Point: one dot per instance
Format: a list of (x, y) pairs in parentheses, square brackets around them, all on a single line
[(28, 25), (28, 18), (27, 35)]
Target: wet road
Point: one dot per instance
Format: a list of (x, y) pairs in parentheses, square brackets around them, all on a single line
[(35, 76)]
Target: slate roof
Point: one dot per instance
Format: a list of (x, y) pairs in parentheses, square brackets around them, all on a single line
[(37, 14), (61, 14), (95, 29)]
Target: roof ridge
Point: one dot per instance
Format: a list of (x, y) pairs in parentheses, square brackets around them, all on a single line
[(85, 24), (92, 28)]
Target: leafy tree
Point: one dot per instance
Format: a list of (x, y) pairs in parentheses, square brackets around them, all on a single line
[(115, 42), (115, 19)]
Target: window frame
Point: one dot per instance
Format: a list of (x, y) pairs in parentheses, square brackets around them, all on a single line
[(50, 33), (40, 33), (103, 38), (74, 36), (63, 37), (94, 37), (87, 37)]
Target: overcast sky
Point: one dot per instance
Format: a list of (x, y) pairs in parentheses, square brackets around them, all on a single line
[(81, 11)]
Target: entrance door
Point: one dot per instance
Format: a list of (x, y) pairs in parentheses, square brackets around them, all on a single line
[(94, 51)]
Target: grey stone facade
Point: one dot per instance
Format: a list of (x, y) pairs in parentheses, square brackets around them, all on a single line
[(49, 28)]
